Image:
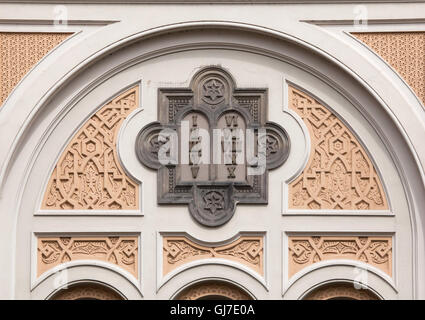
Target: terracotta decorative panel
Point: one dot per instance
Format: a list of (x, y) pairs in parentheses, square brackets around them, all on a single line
[(404, 51), (179, 250), (88, 175), (213, 290), (344, 291), (87, 291), (19, 52), (305, 251), (339, 174), (120, 250)]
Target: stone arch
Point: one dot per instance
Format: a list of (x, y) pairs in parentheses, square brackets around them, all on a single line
[(341, 291), (86, 291), (15, 210), (213, 290)]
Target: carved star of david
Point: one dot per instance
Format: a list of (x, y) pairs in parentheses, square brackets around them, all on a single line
[(213, 102), (213, 90), (214, 201)]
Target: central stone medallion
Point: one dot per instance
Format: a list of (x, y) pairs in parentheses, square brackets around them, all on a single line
[(212, 146)]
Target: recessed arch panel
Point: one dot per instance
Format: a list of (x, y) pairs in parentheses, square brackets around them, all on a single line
[(88, 175), (339, 174)]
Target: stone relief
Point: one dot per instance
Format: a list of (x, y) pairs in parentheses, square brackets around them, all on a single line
[(211, 185), (119, 250), (88, 175), (179, 250), (213, 289), (307, 250), (404, 51), (339, 174), (87, 291), (20, 52), (338, 291)]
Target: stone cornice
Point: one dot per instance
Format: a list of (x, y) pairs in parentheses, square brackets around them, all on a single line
[(210, 2)]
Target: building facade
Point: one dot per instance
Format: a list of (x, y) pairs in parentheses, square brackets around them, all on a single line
[(238, 150)]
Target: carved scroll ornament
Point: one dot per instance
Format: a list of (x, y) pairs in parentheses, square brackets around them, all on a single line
[(88, 175), (179, 250), (305, 251), (212, 187), (119, 250), (339, 174)]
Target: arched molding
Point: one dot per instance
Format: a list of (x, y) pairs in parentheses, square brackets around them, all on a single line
[(86, 291), (21, 151), (86, 272), (341, 290), (346, 271), (220, 273)]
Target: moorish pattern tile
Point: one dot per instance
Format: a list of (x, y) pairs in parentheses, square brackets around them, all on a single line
[(404, 51), (307, 250), (122, 251), (339, 174), (19, 52), (88, 175)]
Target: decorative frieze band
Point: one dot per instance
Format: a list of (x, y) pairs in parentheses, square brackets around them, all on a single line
[(88, 175), (19, 52), (179, 250), (119, 250), (339, 174), (307, 250)]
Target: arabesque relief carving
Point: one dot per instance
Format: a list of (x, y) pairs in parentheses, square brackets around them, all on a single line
[(341, 291), (88, 175), (339, 174), (404, 51), (213, 290), (87, 291), (179, 250), (119, 250), (19, 52), (307, 250)]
